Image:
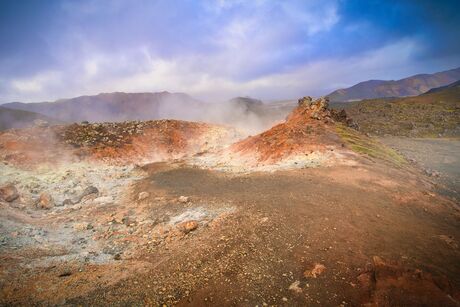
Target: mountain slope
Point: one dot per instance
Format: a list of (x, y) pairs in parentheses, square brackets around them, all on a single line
[(428, 115), (411, 86), (438, 89), (10, 118), (113, 106)]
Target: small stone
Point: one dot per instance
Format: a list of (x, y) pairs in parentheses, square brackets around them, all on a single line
[(117, 256), (317, 270), (284, 299), (143, 195), (187, 226), (183, 199), (295, 287), (89, 190), (82, 226), (8, 193), (67, 202), (45, 201)]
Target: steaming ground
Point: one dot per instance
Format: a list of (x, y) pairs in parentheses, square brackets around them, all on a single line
[(309, 212), (246, 114)]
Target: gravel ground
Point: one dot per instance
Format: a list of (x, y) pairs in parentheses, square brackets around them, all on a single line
[(439, 158)]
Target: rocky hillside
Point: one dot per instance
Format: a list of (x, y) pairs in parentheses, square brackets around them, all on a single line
[(411, 86), (438, 89), (435, 114)]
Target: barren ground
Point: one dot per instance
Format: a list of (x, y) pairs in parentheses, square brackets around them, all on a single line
[(261, 222), (438, 158)]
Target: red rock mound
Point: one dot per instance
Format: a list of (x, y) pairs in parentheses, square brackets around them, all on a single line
[(111, 142), (309, 128)]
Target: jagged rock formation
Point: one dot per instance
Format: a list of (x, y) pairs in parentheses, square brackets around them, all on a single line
[(319, 109), (309, 128)]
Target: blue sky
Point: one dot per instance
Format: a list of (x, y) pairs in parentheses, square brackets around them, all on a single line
[(215, 50)]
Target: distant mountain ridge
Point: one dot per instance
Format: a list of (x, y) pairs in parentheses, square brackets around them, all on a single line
[(411, 86), (117, 106)]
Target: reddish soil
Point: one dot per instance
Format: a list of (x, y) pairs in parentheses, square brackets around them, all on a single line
[(380, 240)]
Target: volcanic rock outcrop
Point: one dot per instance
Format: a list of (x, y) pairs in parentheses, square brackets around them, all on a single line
[(309, 128)]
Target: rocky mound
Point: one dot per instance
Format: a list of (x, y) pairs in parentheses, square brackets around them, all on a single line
[(131, 141), (309, 128)]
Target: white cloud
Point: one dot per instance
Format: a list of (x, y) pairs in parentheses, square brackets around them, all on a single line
[(317, 18), (35, 84), (154, 73)]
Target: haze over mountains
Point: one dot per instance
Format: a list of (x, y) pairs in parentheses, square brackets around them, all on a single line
[(411, 86), (246, 113), (116, 106), (10, 118)]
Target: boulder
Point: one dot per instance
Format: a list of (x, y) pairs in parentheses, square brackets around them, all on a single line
[(9, 193)]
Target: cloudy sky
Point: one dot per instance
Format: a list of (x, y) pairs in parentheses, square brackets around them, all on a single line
[(215, 50)]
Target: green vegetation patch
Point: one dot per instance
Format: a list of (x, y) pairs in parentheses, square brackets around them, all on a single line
[(362, 144)]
